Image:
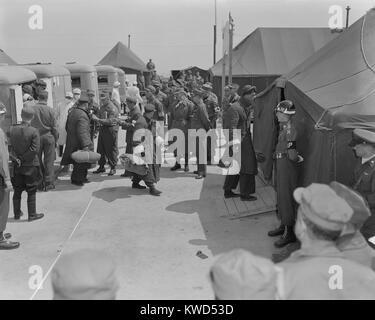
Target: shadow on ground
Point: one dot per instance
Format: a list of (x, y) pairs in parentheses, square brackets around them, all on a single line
[(223, 234)]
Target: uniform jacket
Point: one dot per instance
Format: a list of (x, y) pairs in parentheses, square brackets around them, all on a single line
[(286, 142), (4, 158), (364, 177), (134, 123), (181, 115), (212, 104), (25, 142), (44, 120), (199, 117), (307, 274), (159, 109), (78, 133), (108, 115)]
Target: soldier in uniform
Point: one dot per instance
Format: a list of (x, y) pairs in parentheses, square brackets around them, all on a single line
[(108, 134), (286, 170), (212, 104), (239, 118), (93, 110), (78, 129), (200, 120), (44, 120), (5, 187), (322, 217), (151, 99), (25, 143), (181, 118), (363, 144)]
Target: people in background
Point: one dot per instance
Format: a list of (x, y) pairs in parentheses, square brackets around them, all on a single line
[(108, 134), (78, 138), (44, 120), (25, 146)]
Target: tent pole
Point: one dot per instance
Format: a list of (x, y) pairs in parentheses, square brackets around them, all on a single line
[(231, 28)]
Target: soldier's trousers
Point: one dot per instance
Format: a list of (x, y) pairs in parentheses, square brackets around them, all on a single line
[(201, 153), (25, 179), (4, 207), (107, 147), (47, 157), (286, 183), (79, 173), (148, 179), (211, 142), (368, 228), (247, 183)]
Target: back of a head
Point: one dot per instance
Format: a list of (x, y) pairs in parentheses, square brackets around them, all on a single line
[(27, 113), (84, 275), (240, 275)]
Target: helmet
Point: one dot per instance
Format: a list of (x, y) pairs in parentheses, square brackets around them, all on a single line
[(286, 107)]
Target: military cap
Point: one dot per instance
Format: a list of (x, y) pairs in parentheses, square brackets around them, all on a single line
[(90, 92), (40, 82), (207, 86), (240, 275), (83, 98), (131, 100), (361, 136), (104, 94), (27, 113), (151, 89), (248, 89), (69, 95), (156, 84), (3, 109), (286, 107), (323, 207), (361, 211), (26, 97), (149, 108), (27, 89), (84, 275), (76, 91), (43, 95), (228, 87)]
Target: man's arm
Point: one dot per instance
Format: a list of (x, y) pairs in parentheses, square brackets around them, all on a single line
[(33, 149), (4, 158), (54, 129)]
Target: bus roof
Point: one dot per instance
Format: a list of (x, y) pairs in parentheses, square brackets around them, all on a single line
[(79, 68), (120, 71), (47, 70), (15, 75), (105, 69)]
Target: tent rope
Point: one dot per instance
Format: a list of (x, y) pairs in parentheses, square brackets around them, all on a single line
[(318, 126)]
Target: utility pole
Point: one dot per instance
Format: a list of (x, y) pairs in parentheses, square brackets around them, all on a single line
[(129, 41), (215, 33), (231, 28), (347, 16)]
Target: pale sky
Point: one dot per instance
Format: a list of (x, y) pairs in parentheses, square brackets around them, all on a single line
[(174, 33)]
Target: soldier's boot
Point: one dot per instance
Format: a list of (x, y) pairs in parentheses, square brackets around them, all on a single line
[(176, 167), (136, 185), (286, 238), (99, 170), (17, 209), (286, 252), (186, 169), (277, 232), (31, 207), (112, 172), (154, 191)]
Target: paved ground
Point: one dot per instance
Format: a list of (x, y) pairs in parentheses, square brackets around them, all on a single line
[(154, 240)]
